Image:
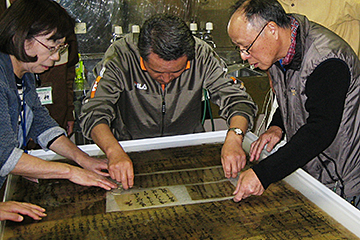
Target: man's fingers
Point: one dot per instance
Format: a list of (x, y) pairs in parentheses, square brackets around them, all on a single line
[(254, 150), (235, 170), (124, 181), (270, 146), (227, 171), (130, 178)]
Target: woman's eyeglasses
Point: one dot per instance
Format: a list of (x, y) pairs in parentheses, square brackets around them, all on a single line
[(60, 48)]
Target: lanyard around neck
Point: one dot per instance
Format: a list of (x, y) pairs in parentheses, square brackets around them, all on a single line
[(23, 116)]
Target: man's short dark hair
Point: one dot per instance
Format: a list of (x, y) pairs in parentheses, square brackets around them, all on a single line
[(167, 36), (25, 19), (268, 10)]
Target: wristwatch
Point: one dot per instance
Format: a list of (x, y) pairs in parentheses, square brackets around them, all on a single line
[(237, 131)]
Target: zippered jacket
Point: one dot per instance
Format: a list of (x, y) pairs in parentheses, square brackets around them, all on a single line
[(135, 106)]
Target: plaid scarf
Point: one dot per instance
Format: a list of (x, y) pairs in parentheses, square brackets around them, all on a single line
[(290, 54)]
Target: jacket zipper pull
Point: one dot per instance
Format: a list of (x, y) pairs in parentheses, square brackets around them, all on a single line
[(163, 107), (163, 99)]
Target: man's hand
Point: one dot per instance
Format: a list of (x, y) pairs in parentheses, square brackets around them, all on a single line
[(14, 210), (248, 184), (233, 157), (121, 169), (120, 166), (271, 137)]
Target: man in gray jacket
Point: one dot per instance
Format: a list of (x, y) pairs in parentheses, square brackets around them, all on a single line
[(316, 78), (154, 88)]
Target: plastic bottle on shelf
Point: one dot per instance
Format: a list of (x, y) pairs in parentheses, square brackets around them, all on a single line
[(208, 28), (117, 34), (208, 36), (193, 28), (135, 30), (79, 82)]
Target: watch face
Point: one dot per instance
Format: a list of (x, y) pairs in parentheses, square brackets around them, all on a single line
[(238, 131)]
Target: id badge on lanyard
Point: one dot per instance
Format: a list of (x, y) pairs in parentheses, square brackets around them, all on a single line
[(45, 95)]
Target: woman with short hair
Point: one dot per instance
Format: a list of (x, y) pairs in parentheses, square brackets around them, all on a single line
[(32, 35)]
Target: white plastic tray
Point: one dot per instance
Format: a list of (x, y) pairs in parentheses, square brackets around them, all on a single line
[(331, 203)]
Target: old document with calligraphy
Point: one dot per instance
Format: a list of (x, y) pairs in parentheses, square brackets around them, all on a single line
[(179, 193), (170, 188)]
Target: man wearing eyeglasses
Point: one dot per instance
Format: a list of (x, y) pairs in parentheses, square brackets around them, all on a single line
[(316, 78)]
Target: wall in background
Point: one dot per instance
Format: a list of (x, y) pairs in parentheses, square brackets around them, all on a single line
[(99, 17)]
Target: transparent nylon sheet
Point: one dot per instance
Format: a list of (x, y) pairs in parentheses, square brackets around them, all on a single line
[(188, 186)]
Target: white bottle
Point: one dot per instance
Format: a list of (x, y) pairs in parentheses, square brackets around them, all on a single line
[(117, 34), (135, 30), (208, 36), (193, 28), (209, 27)]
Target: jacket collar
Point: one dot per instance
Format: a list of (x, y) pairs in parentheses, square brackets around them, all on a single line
[(295, 64), (142, 65)]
